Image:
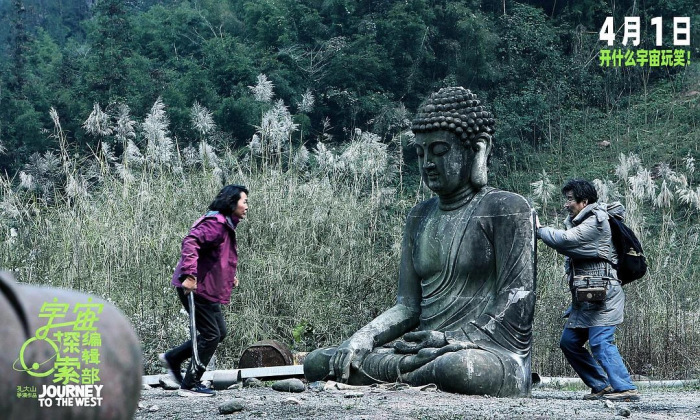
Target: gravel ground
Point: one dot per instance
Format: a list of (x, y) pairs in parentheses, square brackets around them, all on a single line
[(374, 403)]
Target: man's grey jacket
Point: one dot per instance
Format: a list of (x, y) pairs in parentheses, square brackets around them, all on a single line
[(587, 245)]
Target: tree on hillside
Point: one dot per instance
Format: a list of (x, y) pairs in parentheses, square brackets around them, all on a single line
[(110, 39), (19, 42), (20, 123)]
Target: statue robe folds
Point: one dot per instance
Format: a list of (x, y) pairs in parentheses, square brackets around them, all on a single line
[(476, 266), (485, 291)]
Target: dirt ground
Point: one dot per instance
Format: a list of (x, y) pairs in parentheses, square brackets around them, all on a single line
[(375, 403)]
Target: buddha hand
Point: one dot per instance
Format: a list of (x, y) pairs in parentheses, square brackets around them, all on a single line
[(427, 355), (349, 353), (412, 342)]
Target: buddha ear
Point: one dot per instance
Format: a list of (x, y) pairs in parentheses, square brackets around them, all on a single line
[(482, 149)]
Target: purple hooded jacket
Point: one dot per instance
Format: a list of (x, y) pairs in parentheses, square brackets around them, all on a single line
[(209, 253)]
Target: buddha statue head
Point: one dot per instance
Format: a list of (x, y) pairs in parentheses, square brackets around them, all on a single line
[(453, 141)]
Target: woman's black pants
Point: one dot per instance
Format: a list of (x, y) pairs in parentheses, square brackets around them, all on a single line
[(211, 327)]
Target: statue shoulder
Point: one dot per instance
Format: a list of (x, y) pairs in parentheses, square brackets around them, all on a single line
[(424, 207), (421, 210), (499, 202)]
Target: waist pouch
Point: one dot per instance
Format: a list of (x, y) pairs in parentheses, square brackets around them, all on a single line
[(591, 288)]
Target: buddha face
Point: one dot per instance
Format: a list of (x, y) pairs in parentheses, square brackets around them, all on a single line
[(444, 162)]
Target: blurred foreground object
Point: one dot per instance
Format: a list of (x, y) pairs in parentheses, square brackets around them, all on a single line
[(65, 355)]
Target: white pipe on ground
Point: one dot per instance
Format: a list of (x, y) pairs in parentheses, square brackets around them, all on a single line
[(549, 382)]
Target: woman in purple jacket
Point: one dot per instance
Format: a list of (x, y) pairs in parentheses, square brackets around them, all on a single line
[(207, 268)]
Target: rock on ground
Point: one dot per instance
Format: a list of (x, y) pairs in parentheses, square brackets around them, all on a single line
[(168, 383), (231, 406), (253, 383), (289, 385), (378, 404)]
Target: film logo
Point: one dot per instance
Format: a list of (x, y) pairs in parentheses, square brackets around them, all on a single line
[(67, 352), (655, 57)]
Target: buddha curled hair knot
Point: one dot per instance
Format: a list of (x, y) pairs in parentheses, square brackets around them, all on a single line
[(454, 109)]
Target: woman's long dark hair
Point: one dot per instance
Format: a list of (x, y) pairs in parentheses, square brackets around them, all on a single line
[(227, 199)]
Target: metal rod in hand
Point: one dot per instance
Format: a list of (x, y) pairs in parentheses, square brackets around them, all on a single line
[(196, 364)]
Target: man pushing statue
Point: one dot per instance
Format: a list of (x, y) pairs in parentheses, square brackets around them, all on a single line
[(466, 293)]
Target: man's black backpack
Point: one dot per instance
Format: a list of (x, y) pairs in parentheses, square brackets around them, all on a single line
[(631, 264)]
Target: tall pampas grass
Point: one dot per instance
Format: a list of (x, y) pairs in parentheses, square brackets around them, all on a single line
[(307, 102), (543, 191), (202, 119), (274, 134), (97, 122), (160, 150), (263, 89)]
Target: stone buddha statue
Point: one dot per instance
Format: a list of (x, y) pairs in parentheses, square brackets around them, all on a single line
[(466, 293)]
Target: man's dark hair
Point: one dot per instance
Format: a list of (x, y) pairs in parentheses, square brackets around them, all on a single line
[(227, 199), (581, 190)]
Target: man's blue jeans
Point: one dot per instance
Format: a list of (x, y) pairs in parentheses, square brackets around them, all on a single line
[(605, 367)]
